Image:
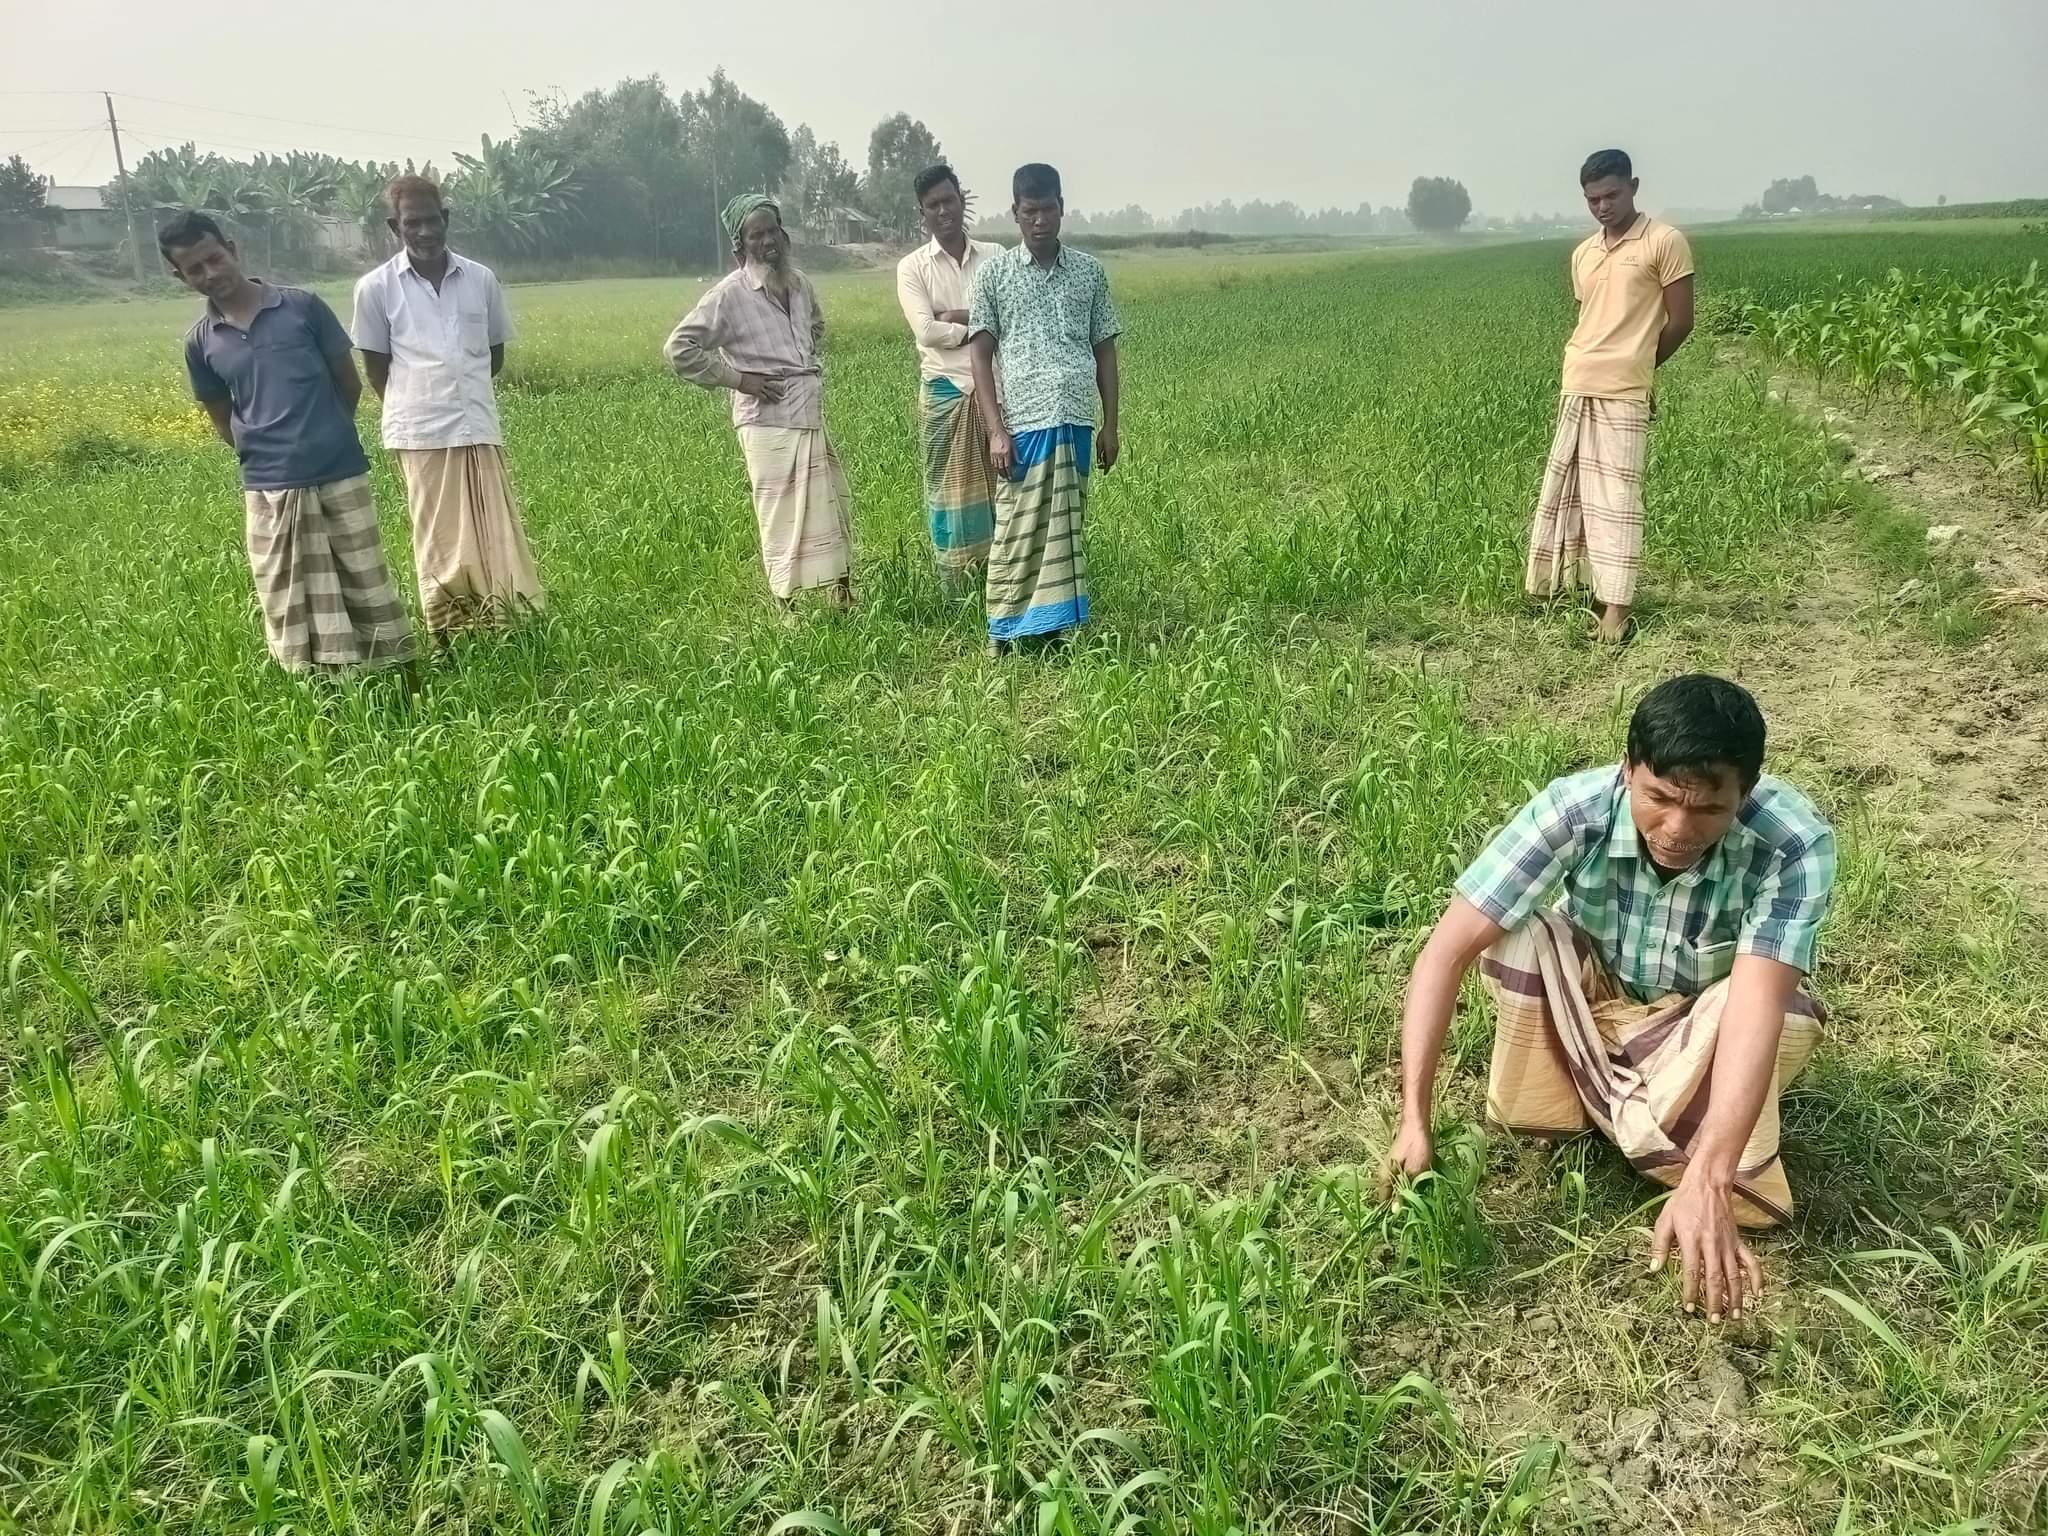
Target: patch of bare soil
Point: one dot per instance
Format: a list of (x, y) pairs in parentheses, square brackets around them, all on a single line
[(1655, 1426), (1997, 527), (1226, 1134), (1948, 740), (1963, 733)]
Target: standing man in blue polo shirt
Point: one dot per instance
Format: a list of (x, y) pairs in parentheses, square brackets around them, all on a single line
[(273, 369)]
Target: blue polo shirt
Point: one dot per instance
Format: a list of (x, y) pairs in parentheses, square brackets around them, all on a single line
[(289, 424)]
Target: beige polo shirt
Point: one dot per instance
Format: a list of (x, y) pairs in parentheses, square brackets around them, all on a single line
[(1620, 289)]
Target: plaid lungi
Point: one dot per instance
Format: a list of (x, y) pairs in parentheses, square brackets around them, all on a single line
[(801, 502), (320, 576), (1038, 564), (960, 488), (1589, 519), (1571, 1049), (468, 543)]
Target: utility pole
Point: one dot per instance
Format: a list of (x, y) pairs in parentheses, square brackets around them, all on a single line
[(121, 172)]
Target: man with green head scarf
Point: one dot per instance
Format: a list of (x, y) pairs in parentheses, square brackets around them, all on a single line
[(757, 333), (737, 210)]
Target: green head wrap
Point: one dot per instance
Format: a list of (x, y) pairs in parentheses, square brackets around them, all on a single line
[(737, 210)]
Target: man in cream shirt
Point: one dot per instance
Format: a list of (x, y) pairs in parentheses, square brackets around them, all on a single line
[(932, 284)]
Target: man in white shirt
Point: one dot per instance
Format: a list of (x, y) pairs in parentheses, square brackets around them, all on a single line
[(932, 284), (432, 328)]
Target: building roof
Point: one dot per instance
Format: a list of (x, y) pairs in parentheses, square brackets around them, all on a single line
[(75, 199)]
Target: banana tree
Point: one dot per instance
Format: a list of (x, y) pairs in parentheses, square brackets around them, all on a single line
[(512, 199)]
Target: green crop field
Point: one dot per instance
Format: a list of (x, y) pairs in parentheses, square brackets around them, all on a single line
[(687, 1073)]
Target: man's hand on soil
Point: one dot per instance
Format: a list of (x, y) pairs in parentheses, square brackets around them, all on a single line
[(1720, 1272), (1410, 1155)]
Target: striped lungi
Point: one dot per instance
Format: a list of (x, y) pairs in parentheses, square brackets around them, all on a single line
[(1038, 563), (960, 488), (468, 543), (801, 504), (319, 566), (1589, 519), (1571, 1049)]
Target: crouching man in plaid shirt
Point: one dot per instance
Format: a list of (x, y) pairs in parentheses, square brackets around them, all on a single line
[(1646, 931)]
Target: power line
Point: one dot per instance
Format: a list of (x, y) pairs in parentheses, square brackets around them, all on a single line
[(296, 122), (72, 132), (172, 137), (61, 151)]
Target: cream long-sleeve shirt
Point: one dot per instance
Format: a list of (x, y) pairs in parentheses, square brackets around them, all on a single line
[(928, 281)]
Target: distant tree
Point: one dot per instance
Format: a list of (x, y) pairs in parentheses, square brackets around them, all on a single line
[(1941, 200), (24, 193), (1800, 194), (1127, 220), (741, 145), (819, 180), (1789, 192), (898, 149), (1437, 205), (643, 186)]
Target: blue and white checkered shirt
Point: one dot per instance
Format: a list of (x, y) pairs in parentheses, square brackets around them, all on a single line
[(1762, 890)]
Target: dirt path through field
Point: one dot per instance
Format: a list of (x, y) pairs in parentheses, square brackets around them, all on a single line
[(1950, 739), (1941, 742)]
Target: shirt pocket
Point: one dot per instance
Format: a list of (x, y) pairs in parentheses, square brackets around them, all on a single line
[(476, 332), (287, 359), (1710, 963)]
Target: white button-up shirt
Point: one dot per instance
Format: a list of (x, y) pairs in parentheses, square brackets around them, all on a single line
[(928, 281), (439, 394)]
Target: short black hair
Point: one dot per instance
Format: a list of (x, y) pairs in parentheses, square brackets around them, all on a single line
[(1690, 726), (1040, 183), (930, 177), (1606, 162), (186, 229)]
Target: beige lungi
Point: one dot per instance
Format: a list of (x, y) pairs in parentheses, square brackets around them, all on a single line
[(469, 545), (1589, 519), (1572, 1049), (801, 504), (318, 562)]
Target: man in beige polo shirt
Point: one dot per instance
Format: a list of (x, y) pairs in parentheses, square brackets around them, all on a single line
[(1633, 281)]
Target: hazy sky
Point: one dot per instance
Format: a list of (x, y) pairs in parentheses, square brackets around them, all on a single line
[(1162, 102)]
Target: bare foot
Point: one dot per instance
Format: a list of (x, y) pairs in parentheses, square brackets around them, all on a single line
[(1616, 625)]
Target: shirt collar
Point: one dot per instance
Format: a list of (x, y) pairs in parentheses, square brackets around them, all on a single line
[(272, 297), (1024, 256), (404, 259), (937, 250), (1638, 227)]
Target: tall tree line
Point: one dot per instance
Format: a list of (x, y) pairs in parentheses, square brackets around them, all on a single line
[(631, 172), (636, 172)]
